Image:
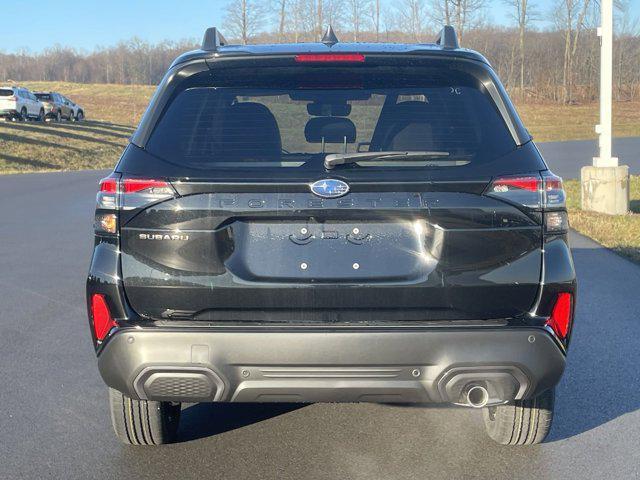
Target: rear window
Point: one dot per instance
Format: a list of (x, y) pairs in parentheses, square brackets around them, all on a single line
[(44, 96), (211, 127), (6, 92)]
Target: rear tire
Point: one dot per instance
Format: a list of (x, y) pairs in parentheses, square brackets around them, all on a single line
[(41, 115), (58, 117), (143, 422), (522, 422), (23, 115), (79, 116)]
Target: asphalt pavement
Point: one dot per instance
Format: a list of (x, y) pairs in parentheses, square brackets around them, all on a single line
[(567, 158), (54, 421)]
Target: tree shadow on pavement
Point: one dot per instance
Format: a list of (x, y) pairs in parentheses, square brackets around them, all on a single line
[(602, 379), (207, 419), (20, 162), (54, 131)]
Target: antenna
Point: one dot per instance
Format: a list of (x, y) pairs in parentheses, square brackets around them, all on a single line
[(212, 40), (329, 38), (447, 38)]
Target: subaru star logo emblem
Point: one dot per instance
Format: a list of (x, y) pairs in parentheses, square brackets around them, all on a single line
[(330, 188)]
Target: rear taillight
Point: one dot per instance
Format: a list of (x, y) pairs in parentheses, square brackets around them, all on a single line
[(153, 187), (539, 192), (553, 192), (106, 220), (101, 317), (109, 185), (126, 194), (525, 190), (560, 319)]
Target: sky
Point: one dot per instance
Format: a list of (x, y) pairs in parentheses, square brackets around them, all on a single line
[(87, 24)]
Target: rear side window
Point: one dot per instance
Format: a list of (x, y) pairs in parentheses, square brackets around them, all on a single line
[(213, 127), (43, 96), (6, 92)]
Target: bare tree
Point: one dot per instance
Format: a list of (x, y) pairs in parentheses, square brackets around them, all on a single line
[(462, 14), (376, 13), (626, 27), (412, 17), (570, 15), (334, 12), (522, 14), (244, 18), (304, 19), (356, 13), (279, 7), (566, 55)]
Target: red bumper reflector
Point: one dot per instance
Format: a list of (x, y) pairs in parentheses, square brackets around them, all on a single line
[(330, 57), (560, 319), (102, 320)]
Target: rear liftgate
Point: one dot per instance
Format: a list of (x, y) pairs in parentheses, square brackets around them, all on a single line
[(282, 254)]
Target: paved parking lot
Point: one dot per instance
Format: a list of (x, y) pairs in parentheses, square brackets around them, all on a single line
[(567, 158), (55, 424)]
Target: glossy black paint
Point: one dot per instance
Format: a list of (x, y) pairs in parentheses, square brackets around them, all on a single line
[(436, 254), (239, 245)]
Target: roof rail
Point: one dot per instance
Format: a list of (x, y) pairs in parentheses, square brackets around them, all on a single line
[(212, 40), (447, 37)]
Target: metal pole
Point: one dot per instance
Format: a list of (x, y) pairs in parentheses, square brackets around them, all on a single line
[(605, 32)]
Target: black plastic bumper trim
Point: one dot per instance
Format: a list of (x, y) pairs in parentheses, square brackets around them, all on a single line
[(314, 365)]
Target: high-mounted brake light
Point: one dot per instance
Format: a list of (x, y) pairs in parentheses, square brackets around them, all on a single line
[(560, 319), (330, 58), (103, 322)]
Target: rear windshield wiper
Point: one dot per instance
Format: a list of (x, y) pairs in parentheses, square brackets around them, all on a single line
[(330, 161)]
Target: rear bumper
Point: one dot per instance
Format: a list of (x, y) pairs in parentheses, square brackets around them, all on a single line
[(431, 365)]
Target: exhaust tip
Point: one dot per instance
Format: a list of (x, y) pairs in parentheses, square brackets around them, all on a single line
[(477, 396)]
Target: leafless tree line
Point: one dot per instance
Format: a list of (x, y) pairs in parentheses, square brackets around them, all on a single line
[(130, 62), (559, 63)]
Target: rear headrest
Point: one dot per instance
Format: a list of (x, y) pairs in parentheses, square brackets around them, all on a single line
[(407, 126), (251, 132), (331, 129), (411, 110)]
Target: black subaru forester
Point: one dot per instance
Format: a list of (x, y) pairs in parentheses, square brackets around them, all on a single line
[(331, 222)]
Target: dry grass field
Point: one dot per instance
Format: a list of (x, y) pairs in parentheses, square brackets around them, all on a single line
[(112, 111), (620, 233), (554, 122)]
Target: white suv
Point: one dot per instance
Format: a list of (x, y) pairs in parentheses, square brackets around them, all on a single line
[(20, 103)]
